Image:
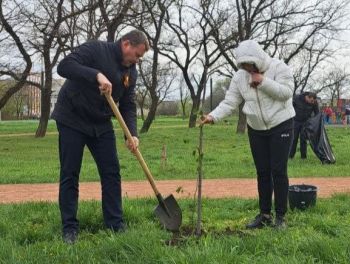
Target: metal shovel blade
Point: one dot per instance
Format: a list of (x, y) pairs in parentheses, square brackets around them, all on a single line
[(169, 213)]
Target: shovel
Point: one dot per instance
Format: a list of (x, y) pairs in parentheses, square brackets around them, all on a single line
[(168, 211)]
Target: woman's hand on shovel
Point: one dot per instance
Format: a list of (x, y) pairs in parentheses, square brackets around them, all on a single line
[(132, 146)]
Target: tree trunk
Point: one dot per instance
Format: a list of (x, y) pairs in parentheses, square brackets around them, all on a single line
[(150, 117), (45, 106), (242, 120), (194, 112), (142, 113), (183, 107), (111, 34)]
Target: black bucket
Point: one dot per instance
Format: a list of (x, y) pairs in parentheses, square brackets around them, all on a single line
[(302, 196)]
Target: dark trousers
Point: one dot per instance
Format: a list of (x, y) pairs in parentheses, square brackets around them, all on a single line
[(103, 150), (270, 150), (298, 132)]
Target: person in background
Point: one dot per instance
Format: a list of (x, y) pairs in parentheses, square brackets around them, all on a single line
[(305, 106), (83, 118), (266, 85), (338, 115), (328, 113), (347, 114)]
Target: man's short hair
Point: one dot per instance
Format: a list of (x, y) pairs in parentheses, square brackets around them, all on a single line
[(136, 37), (311, 94)]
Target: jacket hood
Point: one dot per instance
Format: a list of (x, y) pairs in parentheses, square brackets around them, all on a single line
[(249, 51)]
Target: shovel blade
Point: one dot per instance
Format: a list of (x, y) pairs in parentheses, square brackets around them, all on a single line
[(169, 213)]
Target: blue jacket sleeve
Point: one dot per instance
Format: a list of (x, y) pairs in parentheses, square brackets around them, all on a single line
[(78, 65)]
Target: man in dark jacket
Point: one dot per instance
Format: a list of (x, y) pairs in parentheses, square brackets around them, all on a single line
[(305, 105), (83, 117)]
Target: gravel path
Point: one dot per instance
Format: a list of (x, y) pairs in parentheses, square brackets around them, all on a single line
[(212, 188)]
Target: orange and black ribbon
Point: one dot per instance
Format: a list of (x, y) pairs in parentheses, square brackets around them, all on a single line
[(125, 80)]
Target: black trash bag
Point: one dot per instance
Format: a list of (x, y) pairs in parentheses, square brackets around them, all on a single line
[(315, 133)]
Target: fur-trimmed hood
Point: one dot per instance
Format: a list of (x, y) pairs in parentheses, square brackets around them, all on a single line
[(249, 51)]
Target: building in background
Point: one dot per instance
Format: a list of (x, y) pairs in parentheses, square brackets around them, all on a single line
[(31, 94), (56, 87), (26, 103)]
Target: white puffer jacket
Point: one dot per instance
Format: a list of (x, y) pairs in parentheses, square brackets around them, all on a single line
[(270, 103)]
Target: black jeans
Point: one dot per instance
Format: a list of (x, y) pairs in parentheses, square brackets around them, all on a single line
[(103, 150), (270, 150), (298, 132)]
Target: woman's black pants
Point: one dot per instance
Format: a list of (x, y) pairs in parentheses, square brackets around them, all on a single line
[(270, 150)]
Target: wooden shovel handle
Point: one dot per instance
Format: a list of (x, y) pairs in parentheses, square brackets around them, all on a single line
[(130, 138)]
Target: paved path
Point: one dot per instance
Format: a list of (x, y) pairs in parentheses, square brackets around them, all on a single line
[(214, 188)]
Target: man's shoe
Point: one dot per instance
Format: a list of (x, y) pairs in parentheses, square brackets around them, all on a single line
[(280, 222), (119, 229), (260, 221), (70, 237)]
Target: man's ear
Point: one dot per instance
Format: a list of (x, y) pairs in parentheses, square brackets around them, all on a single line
[(125, 43)]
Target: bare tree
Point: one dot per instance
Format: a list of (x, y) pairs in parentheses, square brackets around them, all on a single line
[(156, 78), (309, 61), (334, 84), (19, 99), (114, 15), (142, 97), (85, 24), (194, 38), (184, 97), (158, 91), (12, 37)]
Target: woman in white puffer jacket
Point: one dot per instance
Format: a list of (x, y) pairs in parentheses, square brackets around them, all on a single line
[(266, 85)]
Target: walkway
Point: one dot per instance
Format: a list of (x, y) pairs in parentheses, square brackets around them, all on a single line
[(213, 188)]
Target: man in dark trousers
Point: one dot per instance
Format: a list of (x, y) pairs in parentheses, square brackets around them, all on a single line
[(83, 118), (305, 105)]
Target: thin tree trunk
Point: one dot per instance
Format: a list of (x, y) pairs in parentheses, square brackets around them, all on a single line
[(142, 113), (45, 113), (150, 117), (183, 107), (194, 112), (45, 105)]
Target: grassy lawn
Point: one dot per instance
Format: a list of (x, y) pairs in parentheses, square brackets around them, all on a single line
[(30, 233), (25, 159)]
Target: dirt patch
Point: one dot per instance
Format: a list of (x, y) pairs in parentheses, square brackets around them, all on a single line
[(189, 232), (212, 188)]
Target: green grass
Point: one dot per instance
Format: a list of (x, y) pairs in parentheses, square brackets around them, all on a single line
[(27, 126), (30, 126), (30, 233), (25, 159)]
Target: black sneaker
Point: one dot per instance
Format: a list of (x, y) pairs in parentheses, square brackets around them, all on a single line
[(70, 237), (280, 222), (260, 221), (119, 229)]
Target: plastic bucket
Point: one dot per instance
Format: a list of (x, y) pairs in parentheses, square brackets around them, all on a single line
[(302, 196)]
